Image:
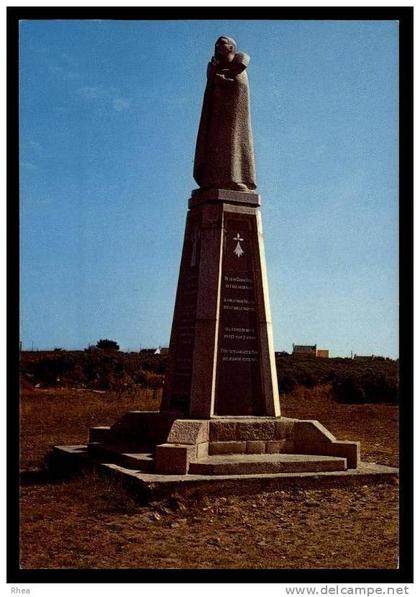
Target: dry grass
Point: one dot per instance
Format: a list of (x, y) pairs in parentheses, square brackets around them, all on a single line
[(90, 523), (374, 425), (60, 416)]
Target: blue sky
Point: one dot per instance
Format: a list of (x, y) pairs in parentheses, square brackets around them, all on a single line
[(109, 112)]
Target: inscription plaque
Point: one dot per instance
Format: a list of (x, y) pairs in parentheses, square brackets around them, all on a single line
[(238, 384)]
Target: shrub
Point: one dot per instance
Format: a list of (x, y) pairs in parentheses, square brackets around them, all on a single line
[(287, 383), (368, 386), (352, 381), (107, 344), (51, 370)]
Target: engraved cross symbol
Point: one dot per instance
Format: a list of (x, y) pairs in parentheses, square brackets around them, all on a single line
[(238, 249)]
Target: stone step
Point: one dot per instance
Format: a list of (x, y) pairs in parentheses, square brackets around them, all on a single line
[(251, 464), (141, 459), (99, 434)]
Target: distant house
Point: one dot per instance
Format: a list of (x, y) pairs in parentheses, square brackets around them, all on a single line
[(304, 349), (310, 350), (323, 353), (161, 350), (370, 357)]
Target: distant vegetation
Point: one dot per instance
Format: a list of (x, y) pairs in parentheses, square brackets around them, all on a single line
[(351, 380), (107, 344), (95, 368)]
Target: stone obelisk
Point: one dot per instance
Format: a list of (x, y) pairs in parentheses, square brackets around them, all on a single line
[(221, 356)]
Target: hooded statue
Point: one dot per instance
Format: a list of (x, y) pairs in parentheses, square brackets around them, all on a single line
[(224, 155)]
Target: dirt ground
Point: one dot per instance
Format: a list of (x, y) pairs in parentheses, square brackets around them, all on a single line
[(90, 523)]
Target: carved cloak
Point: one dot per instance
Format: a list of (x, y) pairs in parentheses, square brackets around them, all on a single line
[(224, 156)]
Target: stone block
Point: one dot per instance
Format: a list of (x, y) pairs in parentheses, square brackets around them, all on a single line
[(227, 447), (284, 428), (255, 447), (145, 427), (222, 431), (255, 430), (282, 446), (260, 464), (346, 449), (173, 459), (311, 432), (202, 450), (343, 449), (200, 196), (99, 434), (185, 431)]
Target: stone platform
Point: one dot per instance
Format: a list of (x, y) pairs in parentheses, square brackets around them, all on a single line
[(255, 464), (140, 478), (183, 446), (158, 453)]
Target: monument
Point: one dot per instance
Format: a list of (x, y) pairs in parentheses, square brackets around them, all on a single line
[(221, 352), (220, 412)]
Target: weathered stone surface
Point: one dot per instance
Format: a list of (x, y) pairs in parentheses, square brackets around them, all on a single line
[(139, 461), (279, 446), (202, 450), (171, 459), (311, 432), (250, 464), (350, 450), (184, 431), (224, 156), (255, 447), (227, 447), (284, 428), (177, 388), (255, 430), (346, 449), (222, 431), (145, 427)]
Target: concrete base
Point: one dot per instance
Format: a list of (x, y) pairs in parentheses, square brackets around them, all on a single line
[(150, 485)]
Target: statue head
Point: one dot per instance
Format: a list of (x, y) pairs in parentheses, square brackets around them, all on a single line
[(225, 48)]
